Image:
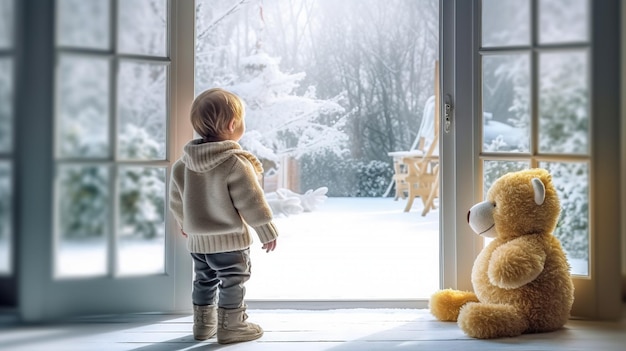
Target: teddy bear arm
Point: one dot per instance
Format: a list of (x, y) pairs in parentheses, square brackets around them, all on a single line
[(516, 263)]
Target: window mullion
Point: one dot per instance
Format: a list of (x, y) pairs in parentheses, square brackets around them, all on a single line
[(113, 168)]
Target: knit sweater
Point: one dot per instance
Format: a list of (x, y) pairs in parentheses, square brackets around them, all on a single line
[(215, 195)]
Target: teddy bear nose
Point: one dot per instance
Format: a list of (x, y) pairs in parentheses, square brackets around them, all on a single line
[(468, 215)]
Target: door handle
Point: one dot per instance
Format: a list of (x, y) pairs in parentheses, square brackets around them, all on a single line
[(447, 113)]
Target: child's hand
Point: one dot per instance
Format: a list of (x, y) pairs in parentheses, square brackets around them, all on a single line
[(183, 233), (270, 246)]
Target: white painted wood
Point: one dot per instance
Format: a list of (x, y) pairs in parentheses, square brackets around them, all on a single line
[(341, 330)]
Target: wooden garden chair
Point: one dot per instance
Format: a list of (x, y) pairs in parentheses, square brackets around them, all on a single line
[(416, 171)]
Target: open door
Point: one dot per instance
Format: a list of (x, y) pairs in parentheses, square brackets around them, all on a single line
[(95, 141), (534, 82)]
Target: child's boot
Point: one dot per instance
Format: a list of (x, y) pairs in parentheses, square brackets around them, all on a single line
[(232, 326), (204, 322)]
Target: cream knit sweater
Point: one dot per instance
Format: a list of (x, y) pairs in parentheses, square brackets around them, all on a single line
[(215, 194)]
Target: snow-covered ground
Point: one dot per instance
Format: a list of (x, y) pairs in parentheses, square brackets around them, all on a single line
[(347, 248), (350, 248)]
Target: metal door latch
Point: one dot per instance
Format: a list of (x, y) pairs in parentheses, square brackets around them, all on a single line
[(447, 115)]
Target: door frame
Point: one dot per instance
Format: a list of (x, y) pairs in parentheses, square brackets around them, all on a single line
[(34, 53)]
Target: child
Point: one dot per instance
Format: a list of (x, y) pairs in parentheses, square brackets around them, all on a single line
[(215, 195)]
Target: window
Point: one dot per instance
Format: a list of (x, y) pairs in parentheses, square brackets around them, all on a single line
[(536, 104), (111, 140)]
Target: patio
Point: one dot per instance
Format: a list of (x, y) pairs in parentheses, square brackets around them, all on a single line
[(350, 249)]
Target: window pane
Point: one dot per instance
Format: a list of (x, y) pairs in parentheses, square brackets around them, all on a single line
[(83, 23), (141, 235), (6, 23), (572, 184), (505, 22), (83, 112), (6, 105), (563, 21), (142, 110), (493, 170), (563, 103), (506, 103), (143, 27), (82, 221), (6, 225)]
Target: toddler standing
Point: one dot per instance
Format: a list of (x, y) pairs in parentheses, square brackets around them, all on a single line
[(215, 197)]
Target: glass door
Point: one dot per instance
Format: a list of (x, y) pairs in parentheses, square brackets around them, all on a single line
[(341, 104), (113, 140), (541, 97)]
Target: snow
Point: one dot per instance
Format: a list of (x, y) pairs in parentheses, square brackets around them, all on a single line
[(347, 248), (511, 136), (350, 248), (88, 258)]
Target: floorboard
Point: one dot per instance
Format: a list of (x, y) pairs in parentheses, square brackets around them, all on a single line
[(331, 330)]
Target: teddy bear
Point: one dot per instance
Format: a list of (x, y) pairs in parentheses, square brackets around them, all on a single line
[(521, 280)]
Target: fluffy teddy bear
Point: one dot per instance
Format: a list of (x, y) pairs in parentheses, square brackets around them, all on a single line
[(521, 279)]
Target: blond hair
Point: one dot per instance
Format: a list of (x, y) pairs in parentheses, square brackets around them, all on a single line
[(213, 110)]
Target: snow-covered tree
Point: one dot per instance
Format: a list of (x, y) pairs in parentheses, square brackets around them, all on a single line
[(281, 121), (323, 75), (282, 118), (563, 103)]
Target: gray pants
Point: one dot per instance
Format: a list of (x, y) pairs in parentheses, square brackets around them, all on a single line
[(226, 270)]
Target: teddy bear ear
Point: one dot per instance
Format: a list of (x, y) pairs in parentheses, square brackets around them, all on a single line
[(540, 190)]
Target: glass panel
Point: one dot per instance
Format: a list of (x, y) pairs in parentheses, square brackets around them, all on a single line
[(6, 223), (83, 108), (6, 105), (572, 184), (563, 103), (505, 22), (141, 235), (82, 221), (506, 103), (142, 108), (493, 170), (6, 23), (143, 27), (83, 23), (563, 21)]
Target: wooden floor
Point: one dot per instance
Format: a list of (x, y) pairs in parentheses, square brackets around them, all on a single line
[(297, 330)]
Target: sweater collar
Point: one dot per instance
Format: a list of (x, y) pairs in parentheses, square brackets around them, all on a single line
[(201, 156)]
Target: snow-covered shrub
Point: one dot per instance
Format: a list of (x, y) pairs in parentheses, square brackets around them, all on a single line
[(571, 182), (83, 197), (373, 178), (330, 170), (142, 202), (344, 176)]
